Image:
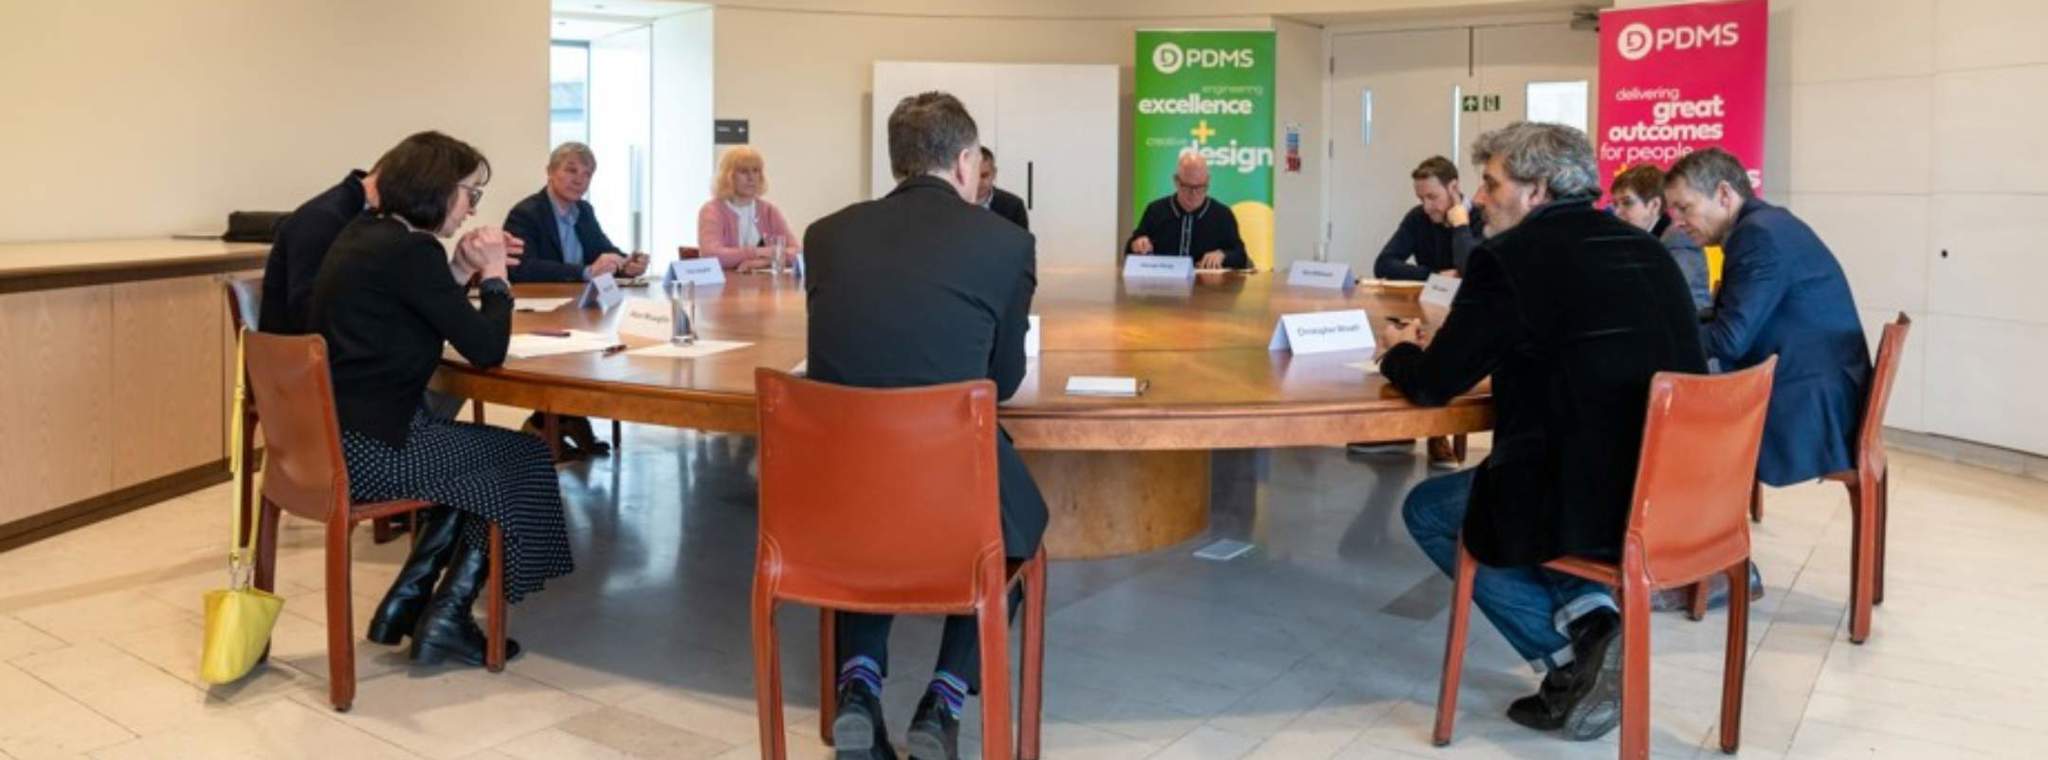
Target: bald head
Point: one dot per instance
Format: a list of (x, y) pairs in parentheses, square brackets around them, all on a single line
[(1191, 181)]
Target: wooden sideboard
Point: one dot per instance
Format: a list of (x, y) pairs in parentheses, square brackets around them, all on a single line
[(115, 376)]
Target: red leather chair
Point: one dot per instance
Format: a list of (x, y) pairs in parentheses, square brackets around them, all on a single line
[(1686, 523), (886, 501), (306, 476)]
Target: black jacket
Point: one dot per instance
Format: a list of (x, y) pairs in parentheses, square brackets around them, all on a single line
[(1007, 205), (1174, 232), (922, 288), (386, 303), (1571, 312), (1433, 246), (302, 242), (533, 221)]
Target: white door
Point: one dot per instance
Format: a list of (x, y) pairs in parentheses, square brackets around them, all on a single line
[(973, 84), (1393, 104), (1055, 139), (1561, 63)]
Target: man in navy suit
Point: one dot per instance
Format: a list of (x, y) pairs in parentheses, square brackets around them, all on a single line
[(1782, 293), (564, 241)]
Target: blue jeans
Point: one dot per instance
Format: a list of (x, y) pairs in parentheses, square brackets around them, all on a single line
[(1529, 605)]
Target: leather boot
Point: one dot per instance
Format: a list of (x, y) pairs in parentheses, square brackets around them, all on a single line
[(432, 545), (448, 630)]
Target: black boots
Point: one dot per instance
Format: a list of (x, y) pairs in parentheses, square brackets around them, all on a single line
[(934, 732), (448, 630), (434, 540), (858, 730)]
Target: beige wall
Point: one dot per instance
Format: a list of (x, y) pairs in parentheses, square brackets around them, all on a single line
[(145, 117), (803, 80)]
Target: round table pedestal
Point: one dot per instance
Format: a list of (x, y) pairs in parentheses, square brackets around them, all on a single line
[(1112, 503)]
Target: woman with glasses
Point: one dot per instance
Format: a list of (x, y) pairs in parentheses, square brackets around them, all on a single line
[(387, 299), (1638, 197), (738, 226)]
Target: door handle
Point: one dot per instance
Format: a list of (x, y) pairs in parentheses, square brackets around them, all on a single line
[(1030, 185)]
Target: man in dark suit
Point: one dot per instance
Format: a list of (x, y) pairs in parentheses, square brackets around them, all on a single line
[(1006, 204), (919, 288), (1570, 311), (565, 242), (1782, 293)]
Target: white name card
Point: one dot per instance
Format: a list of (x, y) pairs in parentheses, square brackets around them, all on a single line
[(1319, 274), (1440, 290), (1087, 385), (1320, 331), (647, 318), (704, 271), (602, 292), (1139, 266), (1031, 336)]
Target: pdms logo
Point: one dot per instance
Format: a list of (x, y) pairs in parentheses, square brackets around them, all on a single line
[(1638, 40)]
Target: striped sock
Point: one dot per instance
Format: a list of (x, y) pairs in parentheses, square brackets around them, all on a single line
[(952, 692), (861, 669)]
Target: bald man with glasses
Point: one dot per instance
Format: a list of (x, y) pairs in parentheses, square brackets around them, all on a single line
[(1190, 223)]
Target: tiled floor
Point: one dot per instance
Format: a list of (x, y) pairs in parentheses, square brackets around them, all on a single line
[(1323, 643)]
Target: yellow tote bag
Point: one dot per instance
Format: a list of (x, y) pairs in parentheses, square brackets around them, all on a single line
[(239, 617)]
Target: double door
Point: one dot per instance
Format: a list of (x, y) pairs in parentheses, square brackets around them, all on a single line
[(1053, 129), (1399, 97)]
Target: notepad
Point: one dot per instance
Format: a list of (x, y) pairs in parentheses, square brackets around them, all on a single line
[(1370, 368), (1086, 385), (529, 345), (700, 348)]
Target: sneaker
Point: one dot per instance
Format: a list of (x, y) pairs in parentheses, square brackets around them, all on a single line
[(1545, 709), (1594, 704), (934, 732)]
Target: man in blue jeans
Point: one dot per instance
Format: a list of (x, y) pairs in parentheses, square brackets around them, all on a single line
[(1570, 311)]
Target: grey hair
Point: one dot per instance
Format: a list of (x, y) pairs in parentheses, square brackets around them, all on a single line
[(1557, 155), (569, 150), (1705, 169)]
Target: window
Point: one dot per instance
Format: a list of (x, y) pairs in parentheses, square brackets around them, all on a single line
[(568, 92), (1558, 103)]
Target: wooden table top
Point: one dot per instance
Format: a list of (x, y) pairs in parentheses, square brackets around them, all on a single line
[(1201, 346), (43, 266)]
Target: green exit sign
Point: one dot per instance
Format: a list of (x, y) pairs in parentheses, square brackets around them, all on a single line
[(1479, 103)]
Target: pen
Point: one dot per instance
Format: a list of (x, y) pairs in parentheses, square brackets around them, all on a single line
[(551, 333), (614, 348)]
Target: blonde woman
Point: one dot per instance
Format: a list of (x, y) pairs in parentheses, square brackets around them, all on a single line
[(738, 226)]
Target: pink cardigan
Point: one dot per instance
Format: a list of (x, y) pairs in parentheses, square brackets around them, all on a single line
[(718, 231)]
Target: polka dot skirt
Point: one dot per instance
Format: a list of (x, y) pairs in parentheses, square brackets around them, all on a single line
[(500, 475)]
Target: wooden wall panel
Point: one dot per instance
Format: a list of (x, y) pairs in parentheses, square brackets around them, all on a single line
[(56, 399), (167, 358)]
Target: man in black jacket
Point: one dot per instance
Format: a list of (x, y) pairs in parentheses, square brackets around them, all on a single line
[(1438, 234), (1006, 204), (1190, 223), (567, 245), (1571, 311), (922, 288)]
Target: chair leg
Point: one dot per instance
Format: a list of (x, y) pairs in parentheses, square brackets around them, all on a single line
[(1863, 558), (1454, 647), (341, 653), (1756, 502), (618, 438), (1030, 724), (994, 620), (551, 429), (1884, 513), (828, 672), (266, 547), (1738, 656), (476, 411), (1697, 610), (767, 674), (247, 480), (1635, 667), (494, 592)]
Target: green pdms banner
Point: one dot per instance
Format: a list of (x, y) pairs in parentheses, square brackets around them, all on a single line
[(1210, 92)]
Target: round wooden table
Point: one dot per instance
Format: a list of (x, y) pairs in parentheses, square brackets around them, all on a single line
[(1121, 475)]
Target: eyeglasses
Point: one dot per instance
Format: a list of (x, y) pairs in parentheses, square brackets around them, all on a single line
[(476, 194), (1186, 186)]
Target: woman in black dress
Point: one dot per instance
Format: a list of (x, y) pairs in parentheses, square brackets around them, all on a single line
[(386, 300)]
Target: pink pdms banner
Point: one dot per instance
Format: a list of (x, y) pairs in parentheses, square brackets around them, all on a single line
[(1677, 78)]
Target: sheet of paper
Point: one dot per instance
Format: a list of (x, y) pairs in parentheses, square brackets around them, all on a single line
[(1370, 368), (1085, 385), (529, 345), (702, 347)]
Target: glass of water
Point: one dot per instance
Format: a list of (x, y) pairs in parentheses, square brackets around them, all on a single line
[(776, 245)]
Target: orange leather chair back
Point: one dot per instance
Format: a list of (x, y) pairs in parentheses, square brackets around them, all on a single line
[(245, 301), (686, 252), (878, 498), (1870, 439), (303, 471), (1701, 436)]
